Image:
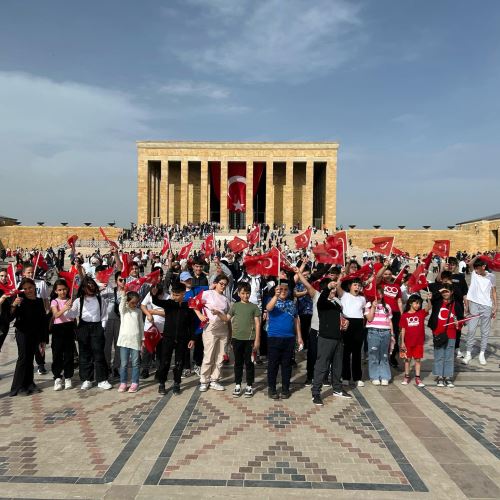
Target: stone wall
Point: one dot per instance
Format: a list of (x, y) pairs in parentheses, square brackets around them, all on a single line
[(46, 236), (420, 241)]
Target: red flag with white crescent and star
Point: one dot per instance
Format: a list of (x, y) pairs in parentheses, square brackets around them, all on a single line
[(418, 280), (383, 245), (441, 248), (336, 246), (493, 262), (152, 279), (209, 245), (253, 237), (9, 288), (166, 244), (125, 260), (266, 264), (236, 186), (302, 240), (237, 245), (185, 251)]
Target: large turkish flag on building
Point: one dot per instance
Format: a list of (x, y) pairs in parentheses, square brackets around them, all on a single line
[(236, 186)]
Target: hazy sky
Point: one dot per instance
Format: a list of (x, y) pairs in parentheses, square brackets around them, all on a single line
[(410, 89)]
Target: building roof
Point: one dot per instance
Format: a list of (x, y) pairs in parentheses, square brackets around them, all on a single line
[(489, 217), (230, 144)]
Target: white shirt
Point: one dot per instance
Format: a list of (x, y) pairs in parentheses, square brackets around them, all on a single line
[(315, 315), (158, 320), (480, 288), (41, 290), (131, 327), (352, 305), (90, 312)]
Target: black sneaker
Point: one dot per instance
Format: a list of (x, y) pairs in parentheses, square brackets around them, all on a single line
[(176, 389), (342, 394), (162, 390), (308, 382), (317, 401), (285, 394), (145, 374), (273, 394), (42, 370)]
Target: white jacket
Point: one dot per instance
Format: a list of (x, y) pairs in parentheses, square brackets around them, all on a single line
[(131, 326)]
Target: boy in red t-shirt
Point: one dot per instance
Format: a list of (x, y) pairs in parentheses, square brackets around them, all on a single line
[(412, 327)]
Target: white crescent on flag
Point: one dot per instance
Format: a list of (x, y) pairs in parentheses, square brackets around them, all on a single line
[(269, 261), (236, 178)]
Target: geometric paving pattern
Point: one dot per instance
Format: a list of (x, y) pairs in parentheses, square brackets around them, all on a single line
[(475, 408), (220, 440), (60, 431)]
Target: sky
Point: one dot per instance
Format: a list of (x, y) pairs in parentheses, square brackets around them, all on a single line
[(409, 88)]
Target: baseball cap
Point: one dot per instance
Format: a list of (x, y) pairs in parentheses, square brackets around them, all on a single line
[(184, 276)]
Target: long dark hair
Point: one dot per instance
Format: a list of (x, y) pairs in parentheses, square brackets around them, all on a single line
[(58, 282), (87, 280)]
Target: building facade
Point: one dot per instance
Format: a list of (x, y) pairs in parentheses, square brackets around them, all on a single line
[(237, 183)]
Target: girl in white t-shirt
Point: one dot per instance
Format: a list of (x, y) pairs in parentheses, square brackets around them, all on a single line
[(353, 304)]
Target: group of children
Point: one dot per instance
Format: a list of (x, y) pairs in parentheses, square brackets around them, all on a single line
[(341, 322)]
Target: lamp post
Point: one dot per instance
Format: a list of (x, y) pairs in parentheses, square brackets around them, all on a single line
[(352, 226), (376, 226), (40, 223), (64, 223), (450, 227), (88, 224), (426, 227), (401, 227)]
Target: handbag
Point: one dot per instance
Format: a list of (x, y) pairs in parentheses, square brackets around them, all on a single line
[(441, 340), (152, 337)]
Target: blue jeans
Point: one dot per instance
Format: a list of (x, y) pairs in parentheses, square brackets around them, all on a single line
[(378, 354), (125, 352), (443, 360)]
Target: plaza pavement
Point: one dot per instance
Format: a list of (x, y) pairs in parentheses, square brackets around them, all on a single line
[(388, 442)]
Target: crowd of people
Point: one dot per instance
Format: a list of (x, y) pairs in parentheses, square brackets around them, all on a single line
[(200, 310)]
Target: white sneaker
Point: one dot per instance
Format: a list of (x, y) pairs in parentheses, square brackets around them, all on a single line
[(460, 354), (384, 382), (86, 385), (197, 370), (376, 382), (360, 383), (216, 386), (467, 358), (68, 383), (58, 386), (105, 385), (482, 359), (237, 391), (203, 387)]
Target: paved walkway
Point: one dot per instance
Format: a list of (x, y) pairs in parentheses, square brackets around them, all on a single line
[(388, 442)]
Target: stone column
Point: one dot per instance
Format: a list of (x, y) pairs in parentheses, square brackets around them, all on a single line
[(223, 194), (142, 190), (269, 218), (204, 190), (184, 192), (288, 196), (249, 193), (331, 194), (164, 192), (307, 196)]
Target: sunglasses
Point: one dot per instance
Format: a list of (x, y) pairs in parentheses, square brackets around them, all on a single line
[(121, 279)]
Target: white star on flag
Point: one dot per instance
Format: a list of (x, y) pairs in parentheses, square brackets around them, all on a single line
[(238, 205)]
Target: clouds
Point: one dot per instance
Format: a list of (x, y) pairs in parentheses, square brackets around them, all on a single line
[(68, 150), (274, 40), (190, 88)]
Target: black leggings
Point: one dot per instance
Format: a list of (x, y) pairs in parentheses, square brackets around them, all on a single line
[(353, 342), (63, 345)]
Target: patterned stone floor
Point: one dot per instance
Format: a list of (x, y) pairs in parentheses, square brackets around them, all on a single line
[(389, 442)]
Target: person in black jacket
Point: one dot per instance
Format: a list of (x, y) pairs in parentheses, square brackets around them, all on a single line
[(178, 335), (32, 333), (330, 343)]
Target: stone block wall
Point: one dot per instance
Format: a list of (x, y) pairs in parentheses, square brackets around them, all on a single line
[(46, 236)]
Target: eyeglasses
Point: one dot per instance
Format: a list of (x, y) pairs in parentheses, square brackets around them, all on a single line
[(222, 283), (121, 279)]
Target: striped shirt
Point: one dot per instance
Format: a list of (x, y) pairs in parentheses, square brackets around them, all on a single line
[(381, 318)]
